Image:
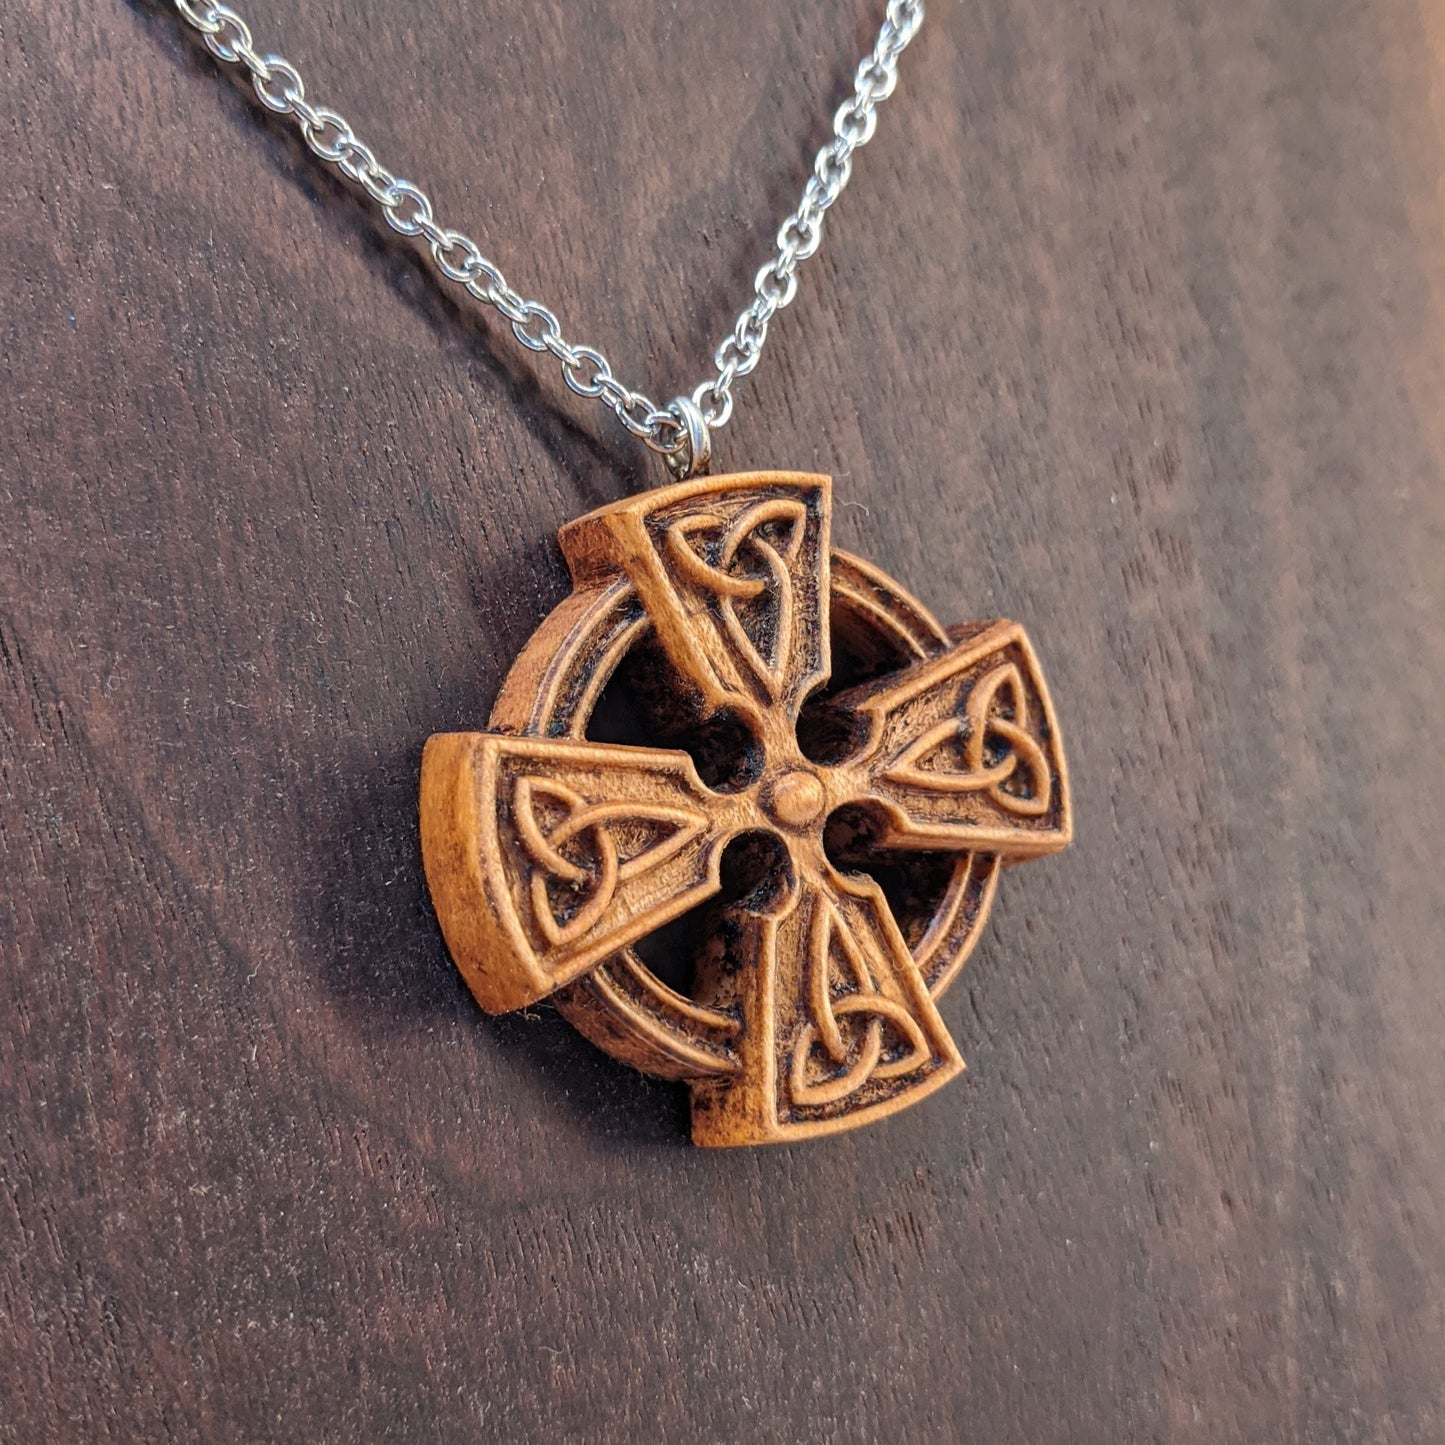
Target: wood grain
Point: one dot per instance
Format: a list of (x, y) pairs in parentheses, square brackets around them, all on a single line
[(1131, 328)]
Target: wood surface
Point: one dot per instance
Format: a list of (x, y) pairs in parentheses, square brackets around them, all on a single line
[(1132, 327)]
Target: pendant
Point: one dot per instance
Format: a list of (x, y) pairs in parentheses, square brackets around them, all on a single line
[(843, 833)]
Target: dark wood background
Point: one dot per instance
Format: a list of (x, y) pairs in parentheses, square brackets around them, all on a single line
[(1132, 327)]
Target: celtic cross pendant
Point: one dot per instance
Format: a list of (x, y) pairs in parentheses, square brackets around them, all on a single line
[(549, 855)]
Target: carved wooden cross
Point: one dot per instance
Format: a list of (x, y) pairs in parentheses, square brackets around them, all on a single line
[(548, 854)]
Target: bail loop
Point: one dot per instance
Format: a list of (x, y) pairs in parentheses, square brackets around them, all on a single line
[(694, 456)]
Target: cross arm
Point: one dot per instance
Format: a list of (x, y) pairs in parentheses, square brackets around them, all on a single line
[(837, 1020), (963, 753), (733, 574), (545, 856)]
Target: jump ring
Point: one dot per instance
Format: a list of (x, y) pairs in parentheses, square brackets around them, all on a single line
[(694, 456)]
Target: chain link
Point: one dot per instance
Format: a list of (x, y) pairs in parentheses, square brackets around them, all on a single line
[(679, 430)]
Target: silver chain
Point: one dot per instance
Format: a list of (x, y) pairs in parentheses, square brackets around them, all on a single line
[(681, 430)]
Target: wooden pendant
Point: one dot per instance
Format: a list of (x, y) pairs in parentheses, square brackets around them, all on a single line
[(549, 854)]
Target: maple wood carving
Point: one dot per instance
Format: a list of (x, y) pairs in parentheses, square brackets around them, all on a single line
[(549, 855)]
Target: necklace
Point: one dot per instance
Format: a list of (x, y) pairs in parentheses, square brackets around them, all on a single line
[(828, 779)]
